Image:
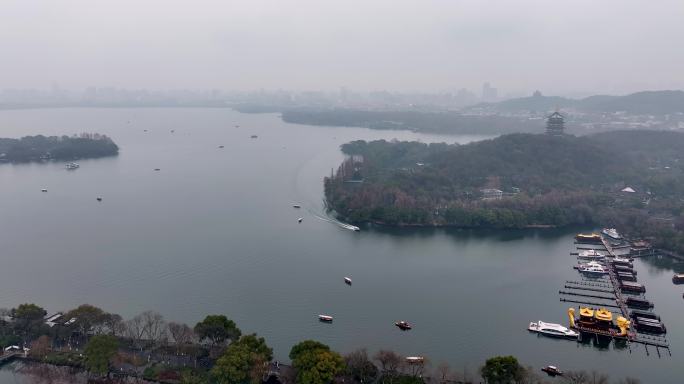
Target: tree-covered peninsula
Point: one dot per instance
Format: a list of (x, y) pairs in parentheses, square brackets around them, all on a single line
[(62, 148), (630, 179)]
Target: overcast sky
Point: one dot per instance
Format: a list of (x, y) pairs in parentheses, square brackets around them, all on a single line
[(557, 46)]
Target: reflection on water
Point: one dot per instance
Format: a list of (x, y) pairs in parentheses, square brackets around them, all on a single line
[(664, 263)]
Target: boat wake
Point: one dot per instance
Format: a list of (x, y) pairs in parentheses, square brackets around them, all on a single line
[(336, 222)]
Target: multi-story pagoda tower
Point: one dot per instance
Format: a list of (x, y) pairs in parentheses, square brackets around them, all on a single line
[(555, 124)]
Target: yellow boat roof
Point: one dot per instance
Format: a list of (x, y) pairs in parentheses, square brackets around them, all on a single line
[(604, 314), (586, 311)]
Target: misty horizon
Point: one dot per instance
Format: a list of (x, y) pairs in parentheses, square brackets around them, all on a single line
[(568, 48)]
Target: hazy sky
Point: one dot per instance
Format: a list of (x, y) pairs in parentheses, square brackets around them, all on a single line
[(558, 46)]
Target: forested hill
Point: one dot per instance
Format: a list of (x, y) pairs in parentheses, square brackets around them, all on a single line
[(640, 103), (63, 148), (419, 121), (545, 180)]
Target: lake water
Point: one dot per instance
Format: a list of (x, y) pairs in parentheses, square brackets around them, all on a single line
[(214, 231)]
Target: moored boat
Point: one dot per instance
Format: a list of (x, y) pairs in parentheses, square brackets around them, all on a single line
[(612, 233), (593, 269), (403, 325), (72, 166), (592, 238), (678, 278), (632, 287), (552, 370), (325, 318), (551, 329), (634, 302), (590, 254), (415, 359)]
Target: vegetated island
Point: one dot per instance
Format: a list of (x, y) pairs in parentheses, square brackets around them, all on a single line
[(62, 148), (633, 180)]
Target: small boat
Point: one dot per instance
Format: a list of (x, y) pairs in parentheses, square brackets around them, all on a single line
[(593, 269), (634, 302), (612, 233), (350, 227), (632, 287), (157, 169), (99, 198), (645, 314), (44, 190), (403, 325), (172, 131), (347, 280), (254, 136), (551, 329), (552, 371), (300, 219), (72, 165), (594, 238), (221, 146), (325, 318), (296, 206), (678, 278), (415, 359), (590, 254)]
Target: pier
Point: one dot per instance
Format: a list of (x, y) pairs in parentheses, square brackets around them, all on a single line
[(7, 357), (607, 292)]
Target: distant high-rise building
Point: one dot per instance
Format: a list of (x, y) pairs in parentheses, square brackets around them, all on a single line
[(555, 124), (488, 92)]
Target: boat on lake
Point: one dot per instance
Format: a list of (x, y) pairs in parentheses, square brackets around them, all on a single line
[(300, 219), (552, 370), (634, 302), (415, 359), (678, 278), (612, 233), (254, 136), (403, 325), (551, 329), (347, 281), (593, 269), (325, 318), (592, 238), (350, 227), (72, 166), (296, 206), (590, 254), (44, 190)]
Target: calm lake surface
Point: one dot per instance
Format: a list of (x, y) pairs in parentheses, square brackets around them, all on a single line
[(214, 231)]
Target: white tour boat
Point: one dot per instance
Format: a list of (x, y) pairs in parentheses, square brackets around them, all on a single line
[(551, 329)]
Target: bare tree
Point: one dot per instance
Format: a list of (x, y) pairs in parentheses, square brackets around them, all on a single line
[(443, 372), (135, 330), (576, 377), (114, 324), (629, 380), (390, 363), (181, 333), (360, 367), (416, 368), (41, 346), (154, 326)]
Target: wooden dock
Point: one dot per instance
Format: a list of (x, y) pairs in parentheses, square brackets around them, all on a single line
[(7, 357)]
